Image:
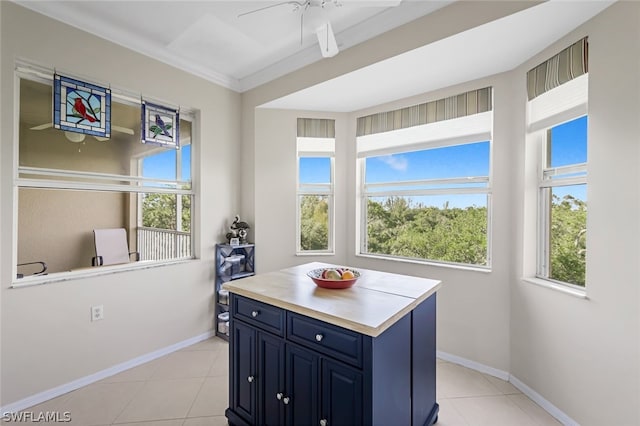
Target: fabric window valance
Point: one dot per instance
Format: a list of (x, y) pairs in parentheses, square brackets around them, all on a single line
[(572, 62), (316, 128), (464, 104)]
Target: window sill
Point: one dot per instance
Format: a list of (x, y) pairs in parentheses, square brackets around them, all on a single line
[(581, 294), (316, 253), (485, 269), (88, 272)]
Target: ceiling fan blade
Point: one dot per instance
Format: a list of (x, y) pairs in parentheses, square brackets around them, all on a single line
[(74, 137), (327, 41), (122, 130), (115, 128), (295, 3), (42, 126), (370, 3), (101, 139)]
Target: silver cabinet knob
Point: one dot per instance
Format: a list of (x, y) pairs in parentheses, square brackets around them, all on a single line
[(323, 422), (285, 400), (279, 395), (319, 337), (250, 379), (255, 313)]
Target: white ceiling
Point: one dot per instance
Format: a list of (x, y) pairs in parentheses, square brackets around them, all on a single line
[(209, 39), (486, 50)]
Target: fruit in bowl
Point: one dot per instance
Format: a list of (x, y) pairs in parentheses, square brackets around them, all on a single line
[(331, 274), (334, 277)]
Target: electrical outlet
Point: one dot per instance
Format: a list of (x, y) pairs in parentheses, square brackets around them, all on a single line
[(97, 312)]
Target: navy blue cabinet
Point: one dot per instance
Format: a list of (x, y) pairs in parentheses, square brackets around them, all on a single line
[(242, 373), (271, 375), (342, 395), (303, 384), (289, 369)]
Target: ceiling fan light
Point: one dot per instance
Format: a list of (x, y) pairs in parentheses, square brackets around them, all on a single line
[(327, 41), (74, 137)]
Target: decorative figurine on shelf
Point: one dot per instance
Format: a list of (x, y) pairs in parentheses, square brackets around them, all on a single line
[(238, 234)]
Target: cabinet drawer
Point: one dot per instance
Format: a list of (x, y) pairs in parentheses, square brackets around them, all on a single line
[(340, 343), (260, 314)]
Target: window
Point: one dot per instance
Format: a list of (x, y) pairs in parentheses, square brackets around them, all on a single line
[(69, 184), (431, 204), (164, 219), (563, 203), (315, 195), (425, 189), (557, 139)]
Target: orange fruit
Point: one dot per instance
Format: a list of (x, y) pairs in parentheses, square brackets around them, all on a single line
[(348, 275)]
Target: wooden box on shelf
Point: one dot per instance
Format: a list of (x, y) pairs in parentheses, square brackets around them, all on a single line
[(232, 262)]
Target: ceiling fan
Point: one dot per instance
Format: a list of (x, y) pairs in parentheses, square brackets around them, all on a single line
[(79, 137), (326, 37)]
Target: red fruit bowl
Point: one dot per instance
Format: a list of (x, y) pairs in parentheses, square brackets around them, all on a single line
[(316, 276)]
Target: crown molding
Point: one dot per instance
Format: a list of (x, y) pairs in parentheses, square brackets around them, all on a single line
[(372, 27), (64, 12)]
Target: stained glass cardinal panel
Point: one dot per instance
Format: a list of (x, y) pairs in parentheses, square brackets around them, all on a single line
[(81, 107), (160, 125)]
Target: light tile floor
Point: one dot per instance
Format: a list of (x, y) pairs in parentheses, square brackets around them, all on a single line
[(189, 388)]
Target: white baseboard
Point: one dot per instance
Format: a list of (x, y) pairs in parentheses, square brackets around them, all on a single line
[(504, 375), (500, 374), (84, 381), (87, 380), (546, 405)]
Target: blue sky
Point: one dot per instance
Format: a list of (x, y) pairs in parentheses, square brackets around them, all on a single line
[(463, 160), (454, 161), (569, 146), (569, 143), (315, 170), (163, 164)]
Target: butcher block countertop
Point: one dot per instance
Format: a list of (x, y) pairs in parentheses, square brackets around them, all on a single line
[(373, 304)]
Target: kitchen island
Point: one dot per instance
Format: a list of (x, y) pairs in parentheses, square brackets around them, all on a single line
[(304, 355)]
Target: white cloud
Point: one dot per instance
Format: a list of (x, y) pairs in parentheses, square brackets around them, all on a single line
[(396, 162)]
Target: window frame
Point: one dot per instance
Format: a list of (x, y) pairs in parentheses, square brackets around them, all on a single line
[(139, 165), (71, 180), (478, 132), (563, 103), (316, 189), (548, 178)]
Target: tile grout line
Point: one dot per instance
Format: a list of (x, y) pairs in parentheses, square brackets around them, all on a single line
[(135, 394), (197, 394)]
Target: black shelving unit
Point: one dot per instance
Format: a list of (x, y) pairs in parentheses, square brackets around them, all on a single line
[(232, 263)]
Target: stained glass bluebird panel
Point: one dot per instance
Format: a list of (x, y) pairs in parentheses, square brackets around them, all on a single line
[(81, 107), (160, 125)]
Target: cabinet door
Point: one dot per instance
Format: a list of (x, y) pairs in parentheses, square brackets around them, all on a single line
[(342, 395), (271, 380), (302, 390), (244, 396)]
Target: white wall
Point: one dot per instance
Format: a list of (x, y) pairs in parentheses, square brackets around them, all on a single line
[(580, 355), (473, 306), (275, 200), (473, 315), (447, 21), (47, 337), (483, 296), (583, 355)]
